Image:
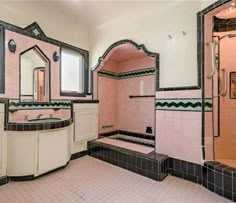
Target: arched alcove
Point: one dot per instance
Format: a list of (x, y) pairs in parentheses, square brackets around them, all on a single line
[(124, 82)]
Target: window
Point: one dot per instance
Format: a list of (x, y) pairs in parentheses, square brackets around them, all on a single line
[(73, 73)]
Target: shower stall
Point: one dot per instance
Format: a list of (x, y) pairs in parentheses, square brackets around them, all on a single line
[(221, 83)]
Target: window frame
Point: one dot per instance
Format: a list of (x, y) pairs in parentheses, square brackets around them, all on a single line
[(85, 56)]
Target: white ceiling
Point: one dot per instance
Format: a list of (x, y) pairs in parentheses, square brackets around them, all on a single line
[(91, 13)]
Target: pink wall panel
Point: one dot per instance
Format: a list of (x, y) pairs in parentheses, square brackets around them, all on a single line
[(110, 66), (135, 114), (107, 95), (12, 65), (179, 94), (135, 64), (178, 134), (115, 106)]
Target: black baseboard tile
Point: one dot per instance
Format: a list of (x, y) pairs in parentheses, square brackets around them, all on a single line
[(3, 180), (148, 165), (214, 176), (185, 170), (78, 155)]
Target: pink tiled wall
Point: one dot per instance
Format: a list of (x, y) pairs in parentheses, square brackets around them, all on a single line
[(135, 64), (136, 114), (115, 106), (107, 95), (12, 65), (178, 133)]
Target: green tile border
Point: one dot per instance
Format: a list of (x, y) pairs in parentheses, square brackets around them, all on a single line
[(129, 74), (15, 105), (183, 104)]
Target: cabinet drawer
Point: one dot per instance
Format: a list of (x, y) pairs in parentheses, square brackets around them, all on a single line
[(78, 107)]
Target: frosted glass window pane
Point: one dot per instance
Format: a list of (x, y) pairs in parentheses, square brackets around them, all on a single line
[(71, 71)]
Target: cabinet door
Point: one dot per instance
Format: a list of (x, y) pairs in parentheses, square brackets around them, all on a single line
[(52, 150), (86, 124)]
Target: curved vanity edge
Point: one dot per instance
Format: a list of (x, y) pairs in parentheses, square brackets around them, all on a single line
[(84, 101), (38, 126), (6, 179), (32, 177)]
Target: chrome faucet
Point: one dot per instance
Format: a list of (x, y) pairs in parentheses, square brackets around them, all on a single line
[(38, 117)]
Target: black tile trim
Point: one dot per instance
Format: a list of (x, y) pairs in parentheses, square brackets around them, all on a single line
[(23, 31), (84, 101), (139, 135), (38, 126), (185, 170), (33, 26), (200, 57), (138, 47), (85, 62), (6, 104), (220, 178), (129, 133), (42, 37), (78, 155), (128, 74), (2, 60), (126, 41), (216, 177), (149, 165), (106, 134), (3, 180), (179, 88), (224, 25)]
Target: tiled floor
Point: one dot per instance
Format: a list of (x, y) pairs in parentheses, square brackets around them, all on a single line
[(91, 180)]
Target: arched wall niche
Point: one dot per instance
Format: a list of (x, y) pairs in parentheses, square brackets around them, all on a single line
[(126, 69)]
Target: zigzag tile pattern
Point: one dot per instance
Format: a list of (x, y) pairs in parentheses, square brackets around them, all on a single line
[(15, 105), (129, 74), (183, 104)]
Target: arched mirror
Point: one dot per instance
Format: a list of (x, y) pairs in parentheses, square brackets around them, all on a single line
[(34, 76)]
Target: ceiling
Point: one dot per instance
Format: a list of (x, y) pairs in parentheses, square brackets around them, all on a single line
[(126, 52), (92, 13)]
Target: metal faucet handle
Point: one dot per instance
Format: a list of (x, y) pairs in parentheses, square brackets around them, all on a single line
[(26, 118), (38, 117)]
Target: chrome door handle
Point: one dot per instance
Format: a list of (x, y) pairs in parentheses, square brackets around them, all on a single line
[(224, 88), (213, 59)]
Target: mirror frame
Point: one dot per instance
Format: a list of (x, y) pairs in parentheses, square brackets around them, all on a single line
[(85, 72), (49, 76)]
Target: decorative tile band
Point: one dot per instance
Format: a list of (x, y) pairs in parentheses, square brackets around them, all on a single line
[(183, 104), (129, 74), (15, 104), (208, 104)]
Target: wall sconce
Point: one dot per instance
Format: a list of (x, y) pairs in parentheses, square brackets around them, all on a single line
[(12, 46), (55, 56)]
